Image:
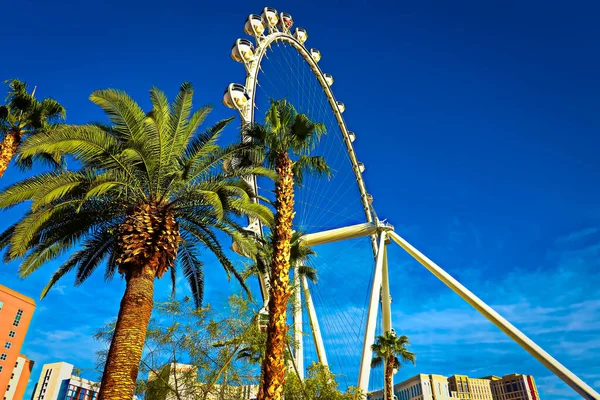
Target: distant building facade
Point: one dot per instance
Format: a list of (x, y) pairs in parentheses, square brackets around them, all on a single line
[(180, 382), (419, 387), (471, 388), (16, 311), (19, 378), (514, 387), (439, 387), (57, 382)]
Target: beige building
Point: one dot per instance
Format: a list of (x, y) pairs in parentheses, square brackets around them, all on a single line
[(180, 382), (419, 387), (514, 387), (470, 388), (439, 387)]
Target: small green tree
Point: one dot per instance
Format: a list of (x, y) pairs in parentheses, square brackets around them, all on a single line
[(319, 384), (195, 353)]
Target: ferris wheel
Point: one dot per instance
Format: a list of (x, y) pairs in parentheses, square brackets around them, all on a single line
[(337, 215)]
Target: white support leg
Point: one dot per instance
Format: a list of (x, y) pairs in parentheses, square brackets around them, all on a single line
[(386, 304), (314, 324), (552, 364), (299, 353), (335, 235), (367, 354)]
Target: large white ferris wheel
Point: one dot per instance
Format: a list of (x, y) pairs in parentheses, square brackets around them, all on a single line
[(340, 210)]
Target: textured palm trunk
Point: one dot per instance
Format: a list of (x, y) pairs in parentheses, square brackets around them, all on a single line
[(389, 371), (122, 363), (260, 394), (8, 149), (274, 367), (147, 246)]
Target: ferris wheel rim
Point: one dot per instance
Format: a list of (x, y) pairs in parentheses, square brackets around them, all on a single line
[(263, 44)]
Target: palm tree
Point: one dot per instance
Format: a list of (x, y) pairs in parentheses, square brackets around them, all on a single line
[(24, 116), (391, 350), (149, 193), (299, 255), (285, 134)]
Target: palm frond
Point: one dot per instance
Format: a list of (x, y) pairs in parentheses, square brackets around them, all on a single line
[(125, 114), (176, 135), (315, 165), (309, 272), (376, 362), (62, 271), (28, 228), (94, 250), (305, 134), (39, 187), (192, 269), (39, 256)]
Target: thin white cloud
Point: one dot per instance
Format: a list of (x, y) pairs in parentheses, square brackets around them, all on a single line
[(577, 235)]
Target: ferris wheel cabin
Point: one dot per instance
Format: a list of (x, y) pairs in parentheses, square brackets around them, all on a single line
[(262, 319), (235, 96), (328, 79), (301, 35), (340, 106), (315, 54), (242, 50), (352, 136), (361, 167), (285, 21), (270, 17), (254, 25)]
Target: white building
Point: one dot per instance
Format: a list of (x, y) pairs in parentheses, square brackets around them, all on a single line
[(19, 378), (420, 387), (56, 382)]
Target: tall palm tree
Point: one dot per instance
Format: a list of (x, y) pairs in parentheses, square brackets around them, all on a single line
[(149, 193), (23, 116), (299, 255), (287, 139), (391, 350)]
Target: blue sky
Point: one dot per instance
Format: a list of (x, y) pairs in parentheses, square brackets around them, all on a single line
[(478, 123)]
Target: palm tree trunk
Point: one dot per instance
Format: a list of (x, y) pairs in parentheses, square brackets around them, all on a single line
[(274, 364), (8, 148), (122, 363), (389, 371), (260, 394)]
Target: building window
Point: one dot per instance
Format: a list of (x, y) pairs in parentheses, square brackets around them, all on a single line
[(1, 368), (18, 318), (1, 304), (12, 333), (7, 345), (3, 357)]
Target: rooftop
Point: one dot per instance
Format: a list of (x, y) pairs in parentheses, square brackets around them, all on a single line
[(17, 295)]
